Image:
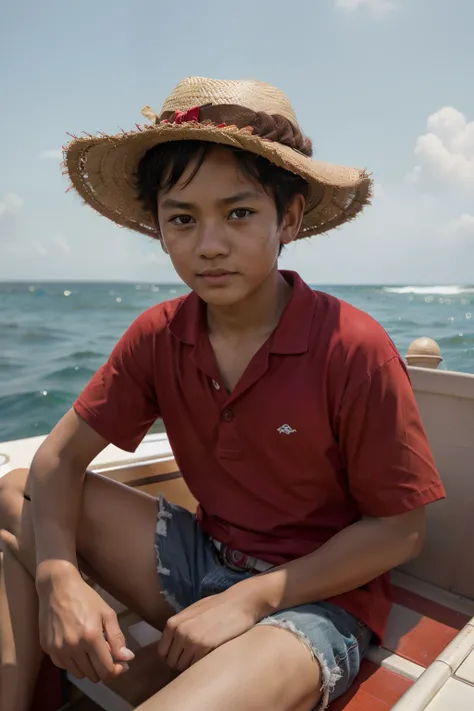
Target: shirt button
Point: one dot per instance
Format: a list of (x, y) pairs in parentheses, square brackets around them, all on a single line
[(216, 385), (227, 415)]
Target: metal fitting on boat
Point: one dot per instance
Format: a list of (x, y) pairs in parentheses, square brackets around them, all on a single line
[(424, 353)]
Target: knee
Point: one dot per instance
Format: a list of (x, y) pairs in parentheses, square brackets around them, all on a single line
[(8, 542), (12, 489), (14, 482)]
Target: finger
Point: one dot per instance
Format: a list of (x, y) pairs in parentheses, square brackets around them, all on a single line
[(175, 652), (185, 660), (74, 669), (102, 661), (199, 654), (166, 640), (116, 639), (57, 661), (85, 665)]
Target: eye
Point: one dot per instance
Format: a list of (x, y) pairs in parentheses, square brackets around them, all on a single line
[(181, 220), (240, 213)]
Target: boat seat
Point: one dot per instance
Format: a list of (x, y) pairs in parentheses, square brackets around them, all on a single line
[(419, 630)]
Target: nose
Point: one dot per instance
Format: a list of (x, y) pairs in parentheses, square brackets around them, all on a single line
[(212, 240)]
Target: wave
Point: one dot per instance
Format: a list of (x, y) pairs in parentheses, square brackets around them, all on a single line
[(441, 290), (82, 355), (71, 372), (32, 412), (459, 339), (29, 413)]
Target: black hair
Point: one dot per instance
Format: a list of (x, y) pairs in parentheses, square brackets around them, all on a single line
[(162, 167)]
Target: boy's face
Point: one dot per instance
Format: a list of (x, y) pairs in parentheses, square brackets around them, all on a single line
[(221, 231)]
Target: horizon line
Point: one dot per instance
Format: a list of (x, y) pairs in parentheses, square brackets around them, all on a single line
[(180, 283)]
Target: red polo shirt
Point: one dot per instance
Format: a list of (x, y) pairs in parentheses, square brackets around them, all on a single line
[(322, 428)]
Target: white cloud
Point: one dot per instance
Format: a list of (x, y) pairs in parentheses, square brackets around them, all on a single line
[(55, 247), (446, 151), (53, 154), (461, 227), (10, 203), (61, 242), (379, 6), (39, 248), (413, 176), (58, 245)]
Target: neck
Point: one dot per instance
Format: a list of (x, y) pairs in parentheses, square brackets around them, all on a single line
[(258, 314)]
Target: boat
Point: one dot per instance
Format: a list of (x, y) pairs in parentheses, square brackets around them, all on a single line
[(426, 661)]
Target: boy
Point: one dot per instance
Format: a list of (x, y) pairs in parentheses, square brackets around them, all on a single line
[(289, 412)]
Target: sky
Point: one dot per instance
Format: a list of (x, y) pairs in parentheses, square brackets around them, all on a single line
[(379, 84)]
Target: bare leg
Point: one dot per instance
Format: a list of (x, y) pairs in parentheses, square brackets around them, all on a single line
[(265, 668), (20, 650), (4, 619), (116, 541)]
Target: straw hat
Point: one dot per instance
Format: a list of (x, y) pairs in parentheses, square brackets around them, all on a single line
[(250, 115)]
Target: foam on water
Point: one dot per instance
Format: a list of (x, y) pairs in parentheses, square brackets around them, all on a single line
[(441, 290)]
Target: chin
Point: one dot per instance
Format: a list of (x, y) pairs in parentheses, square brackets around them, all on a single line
[(220, 296), (216, 298)]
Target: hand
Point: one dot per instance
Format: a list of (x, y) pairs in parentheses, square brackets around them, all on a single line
[(200, 628), (78, 630)]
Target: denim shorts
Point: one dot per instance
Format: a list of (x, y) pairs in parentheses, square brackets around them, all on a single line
[(189, 569)]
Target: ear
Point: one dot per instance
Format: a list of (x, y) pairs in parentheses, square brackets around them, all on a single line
[(163, 245), (158, 234), (159, 237), (292, 219)]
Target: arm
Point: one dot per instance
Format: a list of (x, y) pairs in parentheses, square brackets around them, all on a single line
[(57, 476), (353, 557), (118, 406), (70, 611)]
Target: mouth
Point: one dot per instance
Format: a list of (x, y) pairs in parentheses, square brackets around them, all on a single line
[(216, 276)]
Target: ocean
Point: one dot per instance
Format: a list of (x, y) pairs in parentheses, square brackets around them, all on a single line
[(54, 336)]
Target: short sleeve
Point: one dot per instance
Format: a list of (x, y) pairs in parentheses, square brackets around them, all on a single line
[(120, 402), (386, 452)]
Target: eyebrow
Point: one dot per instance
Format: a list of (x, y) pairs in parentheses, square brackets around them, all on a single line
[(232, 199)]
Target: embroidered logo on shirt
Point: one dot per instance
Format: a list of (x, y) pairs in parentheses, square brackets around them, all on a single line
[(286, 429)]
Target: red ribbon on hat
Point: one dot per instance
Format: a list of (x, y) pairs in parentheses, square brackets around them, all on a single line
[(191, 115), (186, 116)]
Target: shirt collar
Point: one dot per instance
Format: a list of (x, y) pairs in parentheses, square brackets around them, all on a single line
[(189, 321), (291, 335)]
